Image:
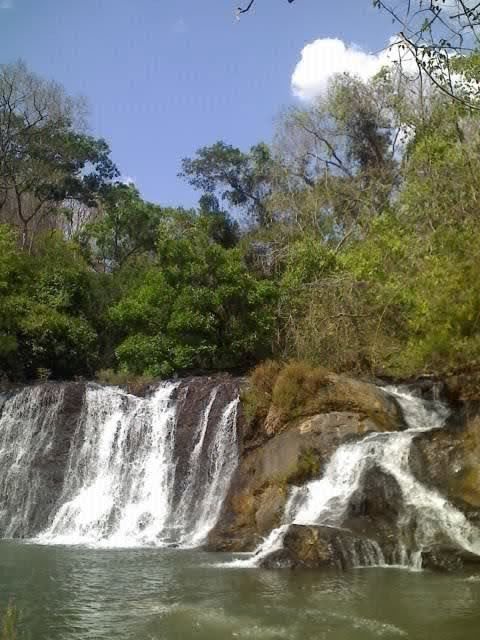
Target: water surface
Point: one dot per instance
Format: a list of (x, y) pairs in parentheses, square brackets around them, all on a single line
[(68, 593)]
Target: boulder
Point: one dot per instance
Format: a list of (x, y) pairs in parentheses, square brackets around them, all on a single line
[(320, 547), (448, 460), (318, 393), (448, 558)]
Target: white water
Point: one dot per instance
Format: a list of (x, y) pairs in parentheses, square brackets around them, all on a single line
[(26, 432), (122, 485), (325, 501), (221, 464)]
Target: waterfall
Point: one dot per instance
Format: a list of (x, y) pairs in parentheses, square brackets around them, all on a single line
[(27, 430), (325, 501), (220, 467), (134, 471)]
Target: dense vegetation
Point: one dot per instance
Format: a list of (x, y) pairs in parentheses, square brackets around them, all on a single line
[(350, 242), (9, 623)]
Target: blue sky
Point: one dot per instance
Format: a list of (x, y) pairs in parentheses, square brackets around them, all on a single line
[(166, 77)]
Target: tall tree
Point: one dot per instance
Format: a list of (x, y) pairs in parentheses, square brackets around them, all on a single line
[(241, 179), (126, 226), (338, 157), (45, 154)]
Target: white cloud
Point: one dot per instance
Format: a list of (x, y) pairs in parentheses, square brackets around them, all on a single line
[(326, 57), (6, 4), (128, 180), (180, 26)]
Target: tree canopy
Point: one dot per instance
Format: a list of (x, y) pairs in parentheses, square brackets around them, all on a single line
[(351, 241)]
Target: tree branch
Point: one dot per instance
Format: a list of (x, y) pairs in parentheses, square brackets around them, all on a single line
[(250, 5)]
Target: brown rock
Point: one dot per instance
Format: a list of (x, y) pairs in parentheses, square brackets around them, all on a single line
[(297, 452), (320, 548), (449, 461)]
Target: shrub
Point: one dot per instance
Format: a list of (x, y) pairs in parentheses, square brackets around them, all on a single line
[(9, 623), (308, 467), (257, 397), (133, 383), (296, 385)]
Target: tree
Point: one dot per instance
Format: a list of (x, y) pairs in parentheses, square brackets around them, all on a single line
[(197, 307), (241, 179), (216, 222), (434, 33), (48, 309), (45, 156), (125, 226), (337, 159), (247, 8)]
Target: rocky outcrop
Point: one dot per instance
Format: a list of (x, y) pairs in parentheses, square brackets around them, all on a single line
[(318, 392), (376, 512), (448, 558), (298, 451)]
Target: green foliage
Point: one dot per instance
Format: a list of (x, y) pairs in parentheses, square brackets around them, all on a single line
[(127, 227), (308, 467), (47, 158), (241, 179), (197, 308), (361, 253), (46, 302), (9, 623), (12, 275)]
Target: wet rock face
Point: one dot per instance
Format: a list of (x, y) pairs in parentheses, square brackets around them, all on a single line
[(448, 558), (297, 453), (321, 548), (194, 396), (41, 426), (260, 488), (448, 460), (52, 417)]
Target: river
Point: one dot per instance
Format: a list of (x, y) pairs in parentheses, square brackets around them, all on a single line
[(74, 593)]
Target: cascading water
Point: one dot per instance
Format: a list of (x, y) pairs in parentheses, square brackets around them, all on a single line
[(27, 430), (326, 501), (222, 461), (135, 471)]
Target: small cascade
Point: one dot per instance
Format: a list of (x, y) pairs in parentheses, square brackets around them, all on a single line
[(130, 471), (221, 464), (27, 431), (326, 501)]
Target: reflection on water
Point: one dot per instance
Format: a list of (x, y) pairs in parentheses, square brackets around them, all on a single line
[(81, 594)]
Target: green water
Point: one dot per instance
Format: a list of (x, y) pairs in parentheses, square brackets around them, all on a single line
[(79, 594)]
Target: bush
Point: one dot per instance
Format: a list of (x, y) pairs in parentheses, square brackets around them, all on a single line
[(257, 396), (296, 385), (134, 384), (9, 623), (308, 467), (291, 389)]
